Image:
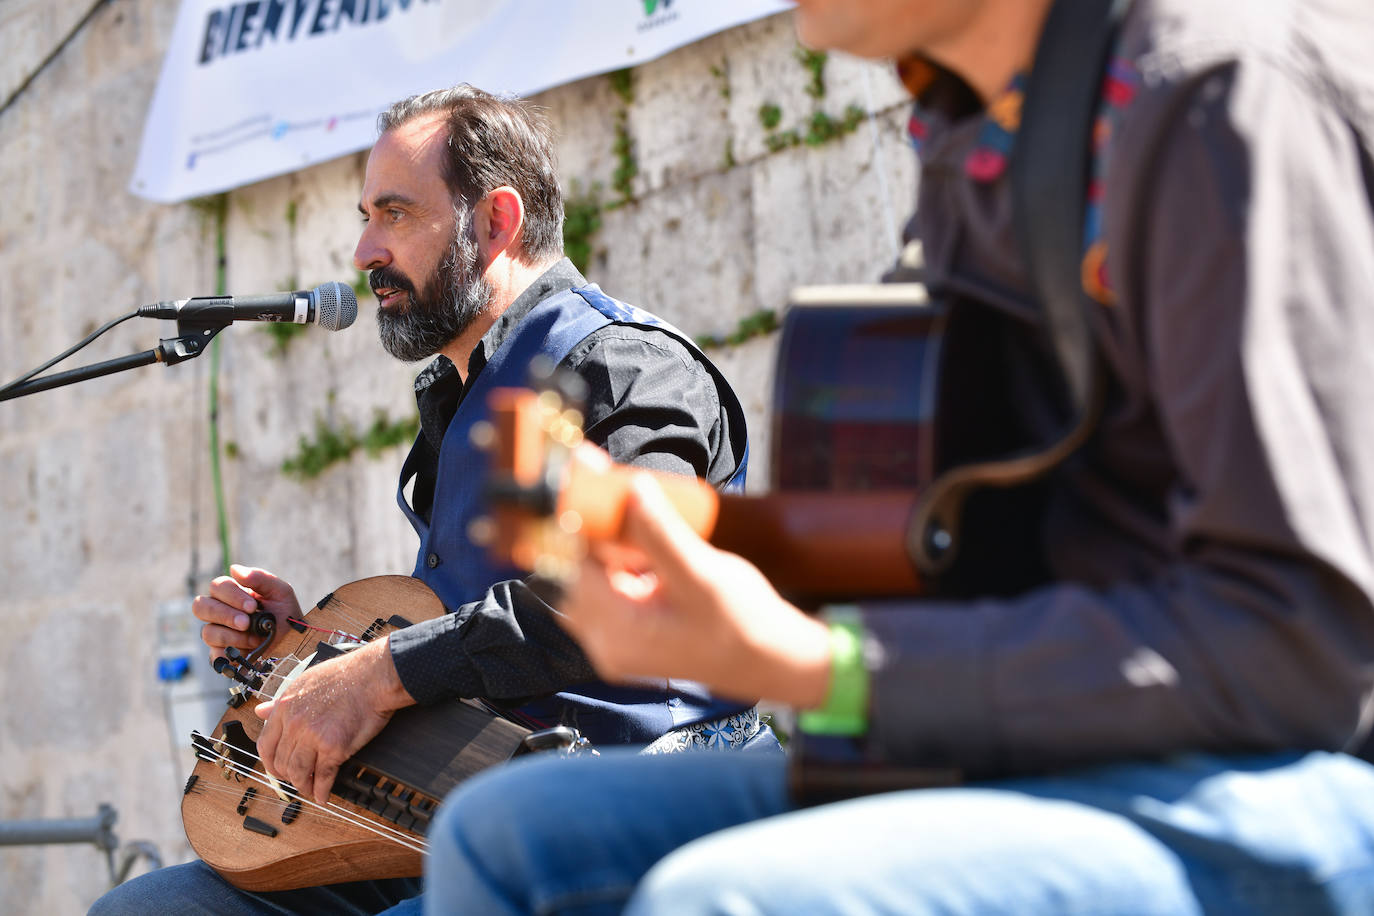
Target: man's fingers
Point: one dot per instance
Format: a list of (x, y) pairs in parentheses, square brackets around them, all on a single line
[(654, 526), (268, 740), (213, 609), (218, 638), (323, 779), (271, 587), (300, 769)]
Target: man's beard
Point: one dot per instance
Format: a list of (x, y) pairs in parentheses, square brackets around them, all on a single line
[(452, 298)]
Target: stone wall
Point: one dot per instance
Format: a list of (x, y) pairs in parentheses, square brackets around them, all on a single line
[(108, 513)]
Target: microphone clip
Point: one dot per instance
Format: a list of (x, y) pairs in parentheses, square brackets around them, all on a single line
[(194, 335)]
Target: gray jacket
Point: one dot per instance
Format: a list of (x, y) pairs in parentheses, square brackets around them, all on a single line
[(1212, 547)]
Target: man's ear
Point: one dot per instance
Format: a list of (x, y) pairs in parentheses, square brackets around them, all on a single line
[(500, 222)]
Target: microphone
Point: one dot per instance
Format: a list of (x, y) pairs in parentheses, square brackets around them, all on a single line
[(332, 306)]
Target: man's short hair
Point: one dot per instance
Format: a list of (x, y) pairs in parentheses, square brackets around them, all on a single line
[(495, 141)]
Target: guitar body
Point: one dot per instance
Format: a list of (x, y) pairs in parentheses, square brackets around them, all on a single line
[(856, 391), (381, 803)]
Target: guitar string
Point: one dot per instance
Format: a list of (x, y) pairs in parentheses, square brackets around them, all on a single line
[(347, 615), (306, 816), (329, 810), (347, 619)]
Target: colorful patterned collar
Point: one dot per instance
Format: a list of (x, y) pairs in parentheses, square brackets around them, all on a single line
[(987, 161)]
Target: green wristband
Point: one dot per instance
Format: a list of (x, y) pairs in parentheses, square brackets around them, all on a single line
[(845, 711)]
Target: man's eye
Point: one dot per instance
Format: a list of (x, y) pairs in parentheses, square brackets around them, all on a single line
[(393, 214)]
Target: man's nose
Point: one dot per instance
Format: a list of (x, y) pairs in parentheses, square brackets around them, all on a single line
[(370, 253)]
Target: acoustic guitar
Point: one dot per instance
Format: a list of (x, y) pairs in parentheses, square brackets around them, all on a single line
[(853, 445), (262, 835)]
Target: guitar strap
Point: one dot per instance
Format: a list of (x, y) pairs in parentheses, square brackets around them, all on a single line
[(1049, 183)]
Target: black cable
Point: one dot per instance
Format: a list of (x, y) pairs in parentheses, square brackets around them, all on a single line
[(61, 356)]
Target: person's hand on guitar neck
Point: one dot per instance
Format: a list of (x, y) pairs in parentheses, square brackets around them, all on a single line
[(665, 603), (329, 711)]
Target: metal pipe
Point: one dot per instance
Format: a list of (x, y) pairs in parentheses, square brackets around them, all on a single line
[(97, 830)]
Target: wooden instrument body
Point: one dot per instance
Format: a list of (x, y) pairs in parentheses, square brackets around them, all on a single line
[(374, 825)]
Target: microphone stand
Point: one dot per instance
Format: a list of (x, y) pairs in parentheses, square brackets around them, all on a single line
[(193, 336)]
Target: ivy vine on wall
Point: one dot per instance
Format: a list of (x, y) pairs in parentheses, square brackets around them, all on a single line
[(335, 443)]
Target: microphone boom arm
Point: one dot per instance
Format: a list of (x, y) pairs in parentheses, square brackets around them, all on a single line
[(193, 336)]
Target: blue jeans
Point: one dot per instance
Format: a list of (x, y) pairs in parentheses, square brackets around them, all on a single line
[(195, 888), (694, 834)]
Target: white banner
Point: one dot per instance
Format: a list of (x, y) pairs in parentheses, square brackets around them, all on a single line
[(254, 89)]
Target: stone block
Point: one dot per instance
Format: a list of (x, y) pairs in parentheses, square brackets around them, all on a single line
[(583, 116), (828, 215), (763, 70), (668, 147), (327, 221), (179, 259), (28, 33), (77, 643), (72, 147), (28, 178), (118, 38), (118, 107), (22, 513), (132, 460), (684, 253), (259, 238)]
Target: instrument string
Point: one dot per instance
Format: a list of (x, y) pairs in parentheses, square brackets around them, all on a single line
[(273, 672), (312, 815), (347, 619), (330, 810)]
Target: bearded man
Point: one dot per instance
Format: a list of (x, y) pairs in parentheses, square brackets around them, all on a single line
[(462, 239)]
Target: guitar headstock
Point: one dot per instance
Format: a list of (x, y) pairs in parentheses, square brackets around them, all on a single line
[(529, 438), (548, 497)]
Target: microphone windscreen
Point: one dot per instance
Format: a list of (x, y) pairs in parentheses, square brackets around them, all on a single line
[(336, 306)]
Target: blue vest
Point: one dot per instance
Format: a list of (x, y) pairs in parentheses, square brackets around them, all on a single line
[(459, 571)]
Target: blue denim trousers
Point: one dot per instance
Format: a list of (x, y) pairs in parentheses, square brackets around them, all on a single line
[(712, 833), (195, 889)]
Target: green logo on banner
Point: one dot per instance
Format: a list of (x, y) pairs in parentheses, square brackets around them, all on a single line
[(651, 5)]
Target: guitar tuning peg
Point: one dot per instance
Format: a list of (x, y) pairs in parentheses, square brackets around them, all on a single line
[(545, 375), (550, 403), (482, 531), (542, 372), (572, 424), (482, 435), (570, 522), (551, 568)]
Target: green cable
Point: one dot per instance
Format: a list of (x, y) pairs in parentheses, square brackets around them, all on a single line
[(221, 283)]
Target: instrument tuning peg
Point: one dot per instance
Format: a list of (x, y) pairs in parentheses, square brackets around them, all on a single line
[(545, 375), (482, 435)]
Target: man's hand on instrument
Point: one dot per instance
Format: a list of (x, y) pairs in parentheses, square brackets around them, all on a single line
[(664, 603), (326, 714), (232, 598)]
